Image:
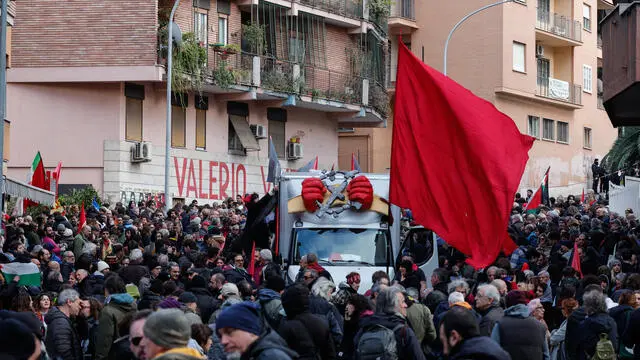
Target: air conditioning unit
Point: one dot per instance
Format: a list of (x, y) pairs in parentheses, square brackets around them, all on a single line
[(259, 131), (539, 51), (295, 151), (141, 152)]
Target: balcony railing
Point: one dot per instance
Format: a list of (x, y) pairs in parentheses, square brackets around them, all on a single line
[(559, 25), (331, 85), (404, 9), (232, 69), (559, 90), (347, 8), (378, 98)]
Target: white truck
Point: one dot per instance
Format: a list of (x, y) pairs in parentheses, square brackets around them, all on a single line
[(345, 236)]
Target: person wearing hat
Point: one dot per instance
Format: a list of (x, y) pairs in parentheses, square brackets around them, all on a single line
[(242, 332), (102, 269), (166, 335), (521, 335), (229, 295), (190, 307)]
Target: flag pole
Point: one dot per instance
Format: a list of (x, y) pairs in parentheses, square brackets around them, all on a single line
[(456, 26)]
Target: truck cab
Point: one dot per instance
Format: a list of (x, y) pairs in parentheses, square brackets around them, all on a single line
[(344, 238)]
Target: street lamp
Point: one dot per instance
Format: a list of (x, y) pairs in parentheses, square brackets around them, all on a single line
[(3, 93), (167, 150), (455, 27)]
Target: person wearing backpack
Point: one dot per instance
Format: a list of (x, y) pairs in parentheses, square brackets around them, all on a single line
[(270, 302), (599, 333), (305, 333), (386, 334)]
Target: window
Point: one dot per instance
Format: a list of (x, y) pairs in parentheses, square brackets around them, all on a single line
[(224, 7), (518, 57), (543, 70), (587, 78), (178, 125), (587, 138), (200, 28), (534, 126), (133, 118), (202, 105), (586, 17), (201, 129), (563, 132), (547, 129), (277, 120), (222, 30), (235, 145)]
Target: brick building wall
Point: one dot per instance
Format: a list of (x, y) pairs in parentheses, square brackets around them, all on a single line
[(102, 33)]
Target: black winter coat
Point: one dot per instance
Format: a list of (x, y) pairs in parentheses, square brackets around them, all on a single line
[(149, 300), (133, 273), (309, 336), (206, 303), (480, 347), (62, 340), (407, 342)]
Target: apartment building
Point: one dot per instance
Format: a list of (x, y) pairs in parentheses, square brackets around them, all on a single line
[(87, 87), (538, 61)]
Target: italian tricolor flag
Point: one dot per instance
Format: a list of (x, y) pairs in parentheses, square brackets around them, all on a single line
[(29, 273)]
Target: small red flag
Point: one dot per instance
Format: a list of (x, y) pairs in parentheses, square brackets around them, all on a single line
[(450, 146), (575, 261), (83, 219), (582, 197), (252, 262)]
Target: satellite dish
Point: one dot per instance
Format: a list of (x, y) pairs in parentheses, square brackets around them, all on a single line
[(177, 34)]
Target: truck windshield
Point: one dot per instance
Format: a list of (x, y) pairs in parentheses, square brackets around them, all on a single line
[(341, 246)]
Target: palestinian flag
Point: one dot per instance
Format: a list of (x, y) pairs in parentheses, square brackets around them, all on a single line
[(541, 196), (29, 273), (37, 177)]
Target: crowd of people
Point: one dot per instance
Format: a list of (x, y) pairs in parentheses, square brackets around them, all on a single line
[(136, 283)]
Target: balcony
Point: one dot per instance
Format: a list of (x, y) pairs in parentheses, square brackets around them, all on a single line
[(559, 90), (350, 9), (557, 30), (402, 19), (605, 5)]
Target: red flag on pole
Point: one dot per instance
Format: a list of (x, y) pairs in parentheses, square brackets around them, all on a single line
[(450, 146), (83, 218), (575, 261), (252, 262), (582, 197)]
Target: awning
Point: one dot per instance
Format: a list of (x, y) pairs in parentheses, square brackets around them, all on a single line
[(243, 130), (19, 189)]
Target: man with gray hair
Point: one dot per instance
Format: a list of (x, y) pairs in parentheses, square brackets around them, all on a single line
[(135, 271), (269, 268), (488, 306), (62, 340), (598, 322), (391, 312), (80, 240)]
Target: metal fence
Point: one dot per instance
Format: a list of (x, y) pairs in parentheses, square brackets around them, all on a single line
[(331, 85), (560, 25), (347, 8), (235, 68), (378, 98), (404, 9), (277, 75), (559, 90)]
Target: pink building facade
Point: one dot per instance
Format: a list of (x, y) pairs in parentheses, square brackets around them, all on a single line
[(87, 86)]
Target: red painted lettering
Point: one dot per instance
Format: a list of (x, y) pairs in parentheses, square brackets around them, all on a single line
[(201, 195), (191, 185), (223, 183), (239, 169), (233, 183), (180, 179), (212, 180), (265, 185)]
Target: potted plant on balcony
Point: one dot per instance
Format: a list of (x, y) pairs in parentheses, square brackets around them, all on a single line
[(254, 35), (189, 64), (217, 47), (379, 9), (223, 75), (232, 49)]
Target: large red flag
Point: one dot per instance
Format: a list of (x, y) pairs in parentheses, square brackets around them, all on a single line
[(456, 161)]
